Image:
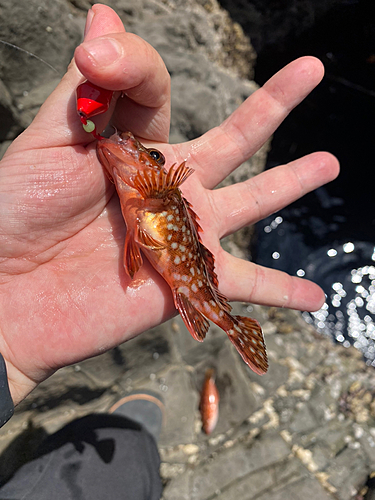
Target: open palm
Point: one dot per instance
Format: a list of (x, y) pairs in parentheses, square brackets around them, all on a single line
[(64, 295)]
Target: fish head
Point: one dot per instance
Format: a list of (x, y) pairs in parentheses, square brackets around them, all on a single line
[(127, 155)]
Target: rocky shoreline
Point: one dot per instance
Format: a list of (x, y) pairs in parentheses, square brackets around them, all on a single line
[(305, 428)]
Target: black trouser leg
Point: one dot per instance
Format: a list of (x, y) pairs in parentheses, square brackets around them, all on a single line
[(96, 457)]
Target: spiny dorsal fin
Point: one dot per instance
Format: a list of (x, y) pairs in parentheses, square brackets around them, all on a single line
[(152, 184)]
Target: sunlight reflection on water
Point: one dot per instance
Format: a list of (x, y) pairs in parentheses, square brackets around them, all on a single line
[(345, 271)]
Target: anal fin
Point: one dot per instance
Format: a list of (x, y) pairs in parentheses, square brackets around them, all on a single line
[(194, 320)]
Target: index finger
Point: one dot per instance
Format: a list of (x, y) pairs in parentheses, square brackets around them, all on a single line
[(247, 129)]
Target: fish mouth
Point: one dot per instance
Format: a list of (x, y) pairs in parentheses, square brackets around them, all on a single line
[(120, 151), (104, 153)]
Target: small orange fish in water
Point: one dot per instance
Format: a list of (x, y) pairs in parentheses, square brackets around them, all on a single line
[(209, 403), (162, 224)]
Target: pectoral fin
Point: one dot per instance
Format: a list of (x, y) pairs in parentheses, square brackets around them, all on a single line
[(145, 239), (132, 255)]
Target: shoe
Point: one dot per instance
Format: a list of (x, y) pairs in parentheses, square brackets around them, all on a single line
[(145, 408)]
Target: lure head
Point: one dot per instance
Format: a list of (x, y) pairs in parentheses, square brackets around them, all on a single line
[(91, 101)]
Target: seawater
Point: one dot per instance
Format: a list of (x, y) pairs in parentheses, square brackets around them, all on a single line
[(344, 269), (329, 235)]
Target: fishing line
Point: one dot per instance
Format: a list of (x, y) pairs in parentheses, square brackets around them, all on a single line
[(30, 54)]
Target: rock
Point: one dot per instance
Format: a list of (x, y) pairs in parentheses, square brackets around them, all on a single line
[(10, 121), (50, 31)]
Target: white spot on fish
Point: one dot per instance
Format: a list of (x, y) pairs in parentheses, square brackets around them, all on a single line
[(177, 218), (192, 270), (176, 276), (183, 229), (237, 328), (214, 316), (183, 289), (174, 244), (177, 260), (184, 278), (170, 217), (200, 283), (213, 303), (195, 289), (190, 255), (177, 211), (164, 214), (254, 341), (221, 312), (175, 228), (206, 306), (170, 227), (183, 258), (230, 332), (182, 248), (252, 350), (169, 237)]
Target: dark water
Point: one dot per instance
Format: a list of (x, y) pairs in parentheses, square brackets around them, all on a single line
[(328, 236)]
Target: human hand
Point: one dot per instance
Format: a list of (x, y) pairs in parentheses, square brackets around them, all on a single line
[(64, 295)]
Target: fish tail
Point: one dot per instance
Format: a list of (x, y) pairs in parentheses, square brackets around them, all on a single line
[(247, 337)]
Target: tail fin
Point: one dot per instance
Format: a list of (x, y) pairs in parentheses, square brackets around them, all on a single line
[(247, 337)]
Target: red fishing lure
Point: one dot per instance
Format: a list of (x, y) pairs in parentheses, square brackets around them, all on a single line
[(91, 101)]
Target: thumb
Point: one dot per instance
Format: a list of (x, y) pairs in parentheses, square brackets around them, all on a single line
[(57, 123)]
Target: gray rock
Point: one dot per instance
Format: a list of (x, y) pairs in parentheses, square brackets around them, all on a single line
[(49, 30), (10, 121)]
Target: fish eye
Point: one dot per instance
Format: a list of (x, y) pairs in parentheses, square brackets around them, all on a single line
[(157, 156)]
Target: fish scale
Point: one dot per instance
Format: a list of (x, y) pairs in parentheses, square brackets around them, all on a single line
[(162, 223)]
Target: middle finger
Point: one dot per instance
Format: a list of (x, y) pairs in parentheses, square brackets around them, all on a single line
[(250, 201)]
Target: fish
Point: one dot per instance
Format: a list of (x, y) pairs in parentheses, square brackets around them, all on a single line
[(162, 225), (209, 402)]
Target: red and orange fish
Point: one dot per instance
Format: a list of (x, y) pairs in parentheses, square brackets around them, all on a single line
[(209, 402), (163, 226)]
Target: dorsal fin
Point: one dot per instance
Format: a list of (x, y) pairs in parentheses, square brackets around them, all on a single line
[(194, 217), (208, 259), (159, 184)]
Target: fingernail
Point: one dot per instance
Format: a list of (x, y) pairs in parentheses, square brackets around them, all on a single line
[(103, 51), (89, 18)]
